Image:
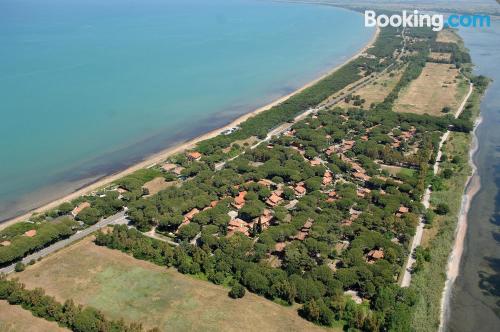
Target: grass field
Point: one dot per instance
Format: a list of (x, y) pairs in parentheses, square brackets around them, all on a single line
[(447, 36), (396, 170), (123, 287), (14, 318), (435, 88), (376, 91), (158, 184)]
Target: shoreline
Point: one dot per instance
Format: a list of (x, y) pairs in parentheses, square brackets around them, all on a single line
[(160, 156), (472, 187)]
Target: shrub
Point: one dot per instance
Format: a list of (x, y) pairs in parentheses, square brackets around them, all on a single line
[(19, 267), (237, 291), (442, 209)]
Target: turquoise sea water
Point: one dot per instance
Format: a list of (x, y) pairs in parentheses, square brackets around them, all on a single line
[(89, 87)]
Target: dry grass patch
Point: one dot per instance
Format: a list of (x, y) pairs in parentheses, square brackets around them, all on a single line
[(376, 91), (158, 184), (123, 287), (13, 318), (447, 36), (436, 87), (438, 56)]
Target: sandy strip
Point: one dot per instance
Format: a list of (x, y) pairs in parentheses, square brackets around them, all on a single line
[(162, 155), (472, 185)]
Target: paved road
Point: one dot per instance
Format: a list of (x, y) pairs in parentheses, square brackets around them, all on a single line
[(118, 218), (417, 239)]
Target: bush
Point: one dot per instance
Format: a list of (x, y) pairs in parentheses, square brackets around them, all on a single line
[(19, 267), (237, 291), (442, 209), (447, 173)]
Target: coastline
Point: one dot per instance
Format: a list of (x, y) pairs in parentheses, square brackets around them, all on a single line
[(164, 154), (472, 187)]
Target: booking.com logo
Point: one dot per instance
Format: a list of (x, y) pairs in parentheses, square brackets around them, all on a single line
[(418, 20)]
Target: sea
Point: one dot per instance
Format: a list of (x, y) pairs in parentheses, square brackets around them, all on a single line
[(475, 296), (90, 87)]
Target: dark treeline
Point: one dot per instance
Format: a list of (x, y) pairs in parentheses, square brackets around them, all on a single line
[(70, 315), (46, 234)]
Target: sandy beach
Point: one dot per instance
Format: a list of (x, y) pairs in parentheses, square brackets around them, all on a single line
[(472, 187), (164, 154)]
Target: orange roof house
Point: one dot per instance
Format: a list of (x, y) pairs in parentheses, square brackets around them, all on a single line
[(315, 162), (332, 196), (266, 182), (300, 190), (238, 226), (361, 176), (327, 178), (30, 233), (374, 255), (279, 246), (239, 201), (80, 208), (194, 155), (403, 209), (274, 199), (265, 218), (168, 167), (347, 145), (362, 192), (189, 216)]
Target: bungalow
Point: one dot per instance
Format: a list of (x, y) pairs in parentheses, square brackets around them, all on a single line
[(332, 197), (189, 216), (299, 190), (327, 178), (362, 192), (168, 167), (402, 210), (266, 183), (315, 162), (5, 243), (30, 233), (274, 200), (374, 255), (239, 201), (330, 150), (304, 231), (361, 176), (280, 246), (265, 219), (364, 138), (346, 146), (238, 226), (80, 208), (194, 155), (178, 170)]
